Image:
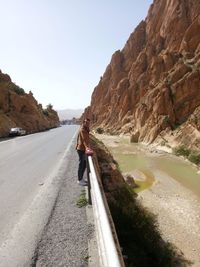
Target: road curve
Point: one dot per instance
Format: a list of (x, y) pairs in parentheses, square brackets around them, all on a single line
[(30, 170)]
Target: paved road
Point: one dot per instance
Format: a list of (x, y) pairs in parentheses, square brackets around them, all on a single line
[(30, 171), (64, 243)]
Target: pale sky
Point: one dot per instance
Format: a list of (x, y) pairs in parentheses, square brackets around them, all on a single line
[(58, 49)]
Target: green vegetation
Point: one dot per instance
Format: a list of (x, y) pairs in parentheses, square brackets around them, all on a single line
[(166, 120), (163, 143), (195, 157), (82, 201), (100, 130), (45, 112), (181, 151), (49, 106), (18, 90), (191, 155), (86, 258)]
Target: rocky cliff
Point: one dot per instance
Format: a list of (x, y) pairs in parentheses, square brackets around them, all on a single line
[(18, 109), (151, 88)]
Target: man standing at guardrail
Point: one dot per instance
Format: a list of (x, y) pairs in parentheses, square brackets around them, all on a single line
[(83, 148)]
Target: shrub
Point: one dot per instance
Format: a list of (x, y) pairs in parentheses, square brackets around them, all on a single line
[(50, 106), (100, 130), (18, 90), (45, 112), (195, 157), (182, 151), (166, 120), (192, 155), (163, 143)]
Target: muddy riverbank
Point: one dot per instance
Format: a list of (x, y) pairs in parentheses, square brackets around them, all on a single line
[(167, 191), (178, 214)]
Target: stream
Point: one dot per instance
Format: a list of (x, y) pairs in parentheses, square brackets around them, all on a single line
[(132, 157)]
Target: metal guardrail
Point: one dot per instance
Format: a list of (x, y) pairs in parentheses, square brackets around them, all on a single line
[(108, 244)]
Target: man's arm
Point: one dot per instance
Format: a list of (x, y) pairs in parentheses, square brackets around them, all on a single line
[(85, 138)]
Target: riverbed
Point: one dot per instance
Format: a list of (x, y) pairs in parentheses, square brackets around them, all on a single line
[(168, 186)]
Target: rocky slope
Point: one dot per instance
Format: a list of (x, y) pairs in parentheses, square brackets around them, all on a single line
[(18, 109), (152, 86)]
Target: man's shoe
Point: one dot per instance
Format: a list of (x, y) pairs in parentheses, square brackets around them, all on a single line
[(82, 182)]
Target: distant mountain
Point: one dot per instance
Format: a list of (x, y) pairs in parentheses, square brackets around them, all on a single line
[(68, 114)]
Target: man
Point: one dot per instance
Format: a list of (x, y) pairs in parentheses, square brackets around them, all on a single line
[(83, 145)]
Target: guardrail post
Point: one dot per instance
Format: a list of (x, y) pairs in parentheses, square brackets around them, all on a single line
[(88, 179)]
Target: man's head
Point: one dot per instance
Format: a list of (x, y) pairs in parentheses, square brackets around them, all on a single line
[(86, 122)]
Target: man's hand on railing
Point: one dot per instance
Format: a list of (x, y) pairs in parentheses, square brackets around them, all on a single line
[(89, 151)]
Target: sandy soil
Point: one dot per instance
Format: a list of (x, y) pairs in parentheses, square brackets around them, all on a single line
[(177, 209), (178, 214)]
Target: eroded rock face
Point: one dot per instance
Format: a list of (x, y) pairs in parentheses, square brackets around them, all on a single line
[(153, 83), (18, 109)]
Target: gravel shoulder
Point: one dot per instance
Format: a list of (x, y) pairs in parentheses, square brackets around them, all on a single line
[(65, 239), (178, 214)]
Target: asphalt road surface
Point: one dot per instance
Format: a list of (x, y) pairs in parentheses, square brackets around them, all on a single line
[(31, 171)]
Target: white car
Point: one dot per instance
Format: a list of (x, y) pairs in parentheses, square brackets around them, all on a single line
[(16, 132)]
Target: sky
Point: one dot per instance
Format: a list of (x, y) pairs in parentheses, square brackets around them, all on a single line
[(59, 49)]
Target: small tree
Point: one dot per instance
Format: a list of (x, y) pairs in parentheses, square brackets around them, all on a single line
[(50, 106), (195, 157), (18, 90), (100, 130), (45, 112), (182, 151)]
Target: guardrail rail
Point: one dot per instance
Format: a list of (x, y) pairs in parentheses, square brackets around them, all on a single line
[(108, 245)]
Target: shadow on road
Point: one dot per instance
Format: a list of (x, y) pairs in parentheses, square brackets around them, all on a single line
[(3, 139)]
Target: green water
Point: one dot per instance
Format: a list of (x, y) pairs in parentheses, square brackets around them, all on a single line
[(130, 162), (130, 157), (182, 171)]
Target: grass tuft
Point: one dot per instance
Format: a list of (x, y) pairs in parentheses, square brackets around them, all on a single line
[(82, 201)]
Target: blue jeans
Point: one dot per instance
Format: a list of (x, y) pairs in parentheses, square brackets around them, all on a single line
[(82, 164)]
